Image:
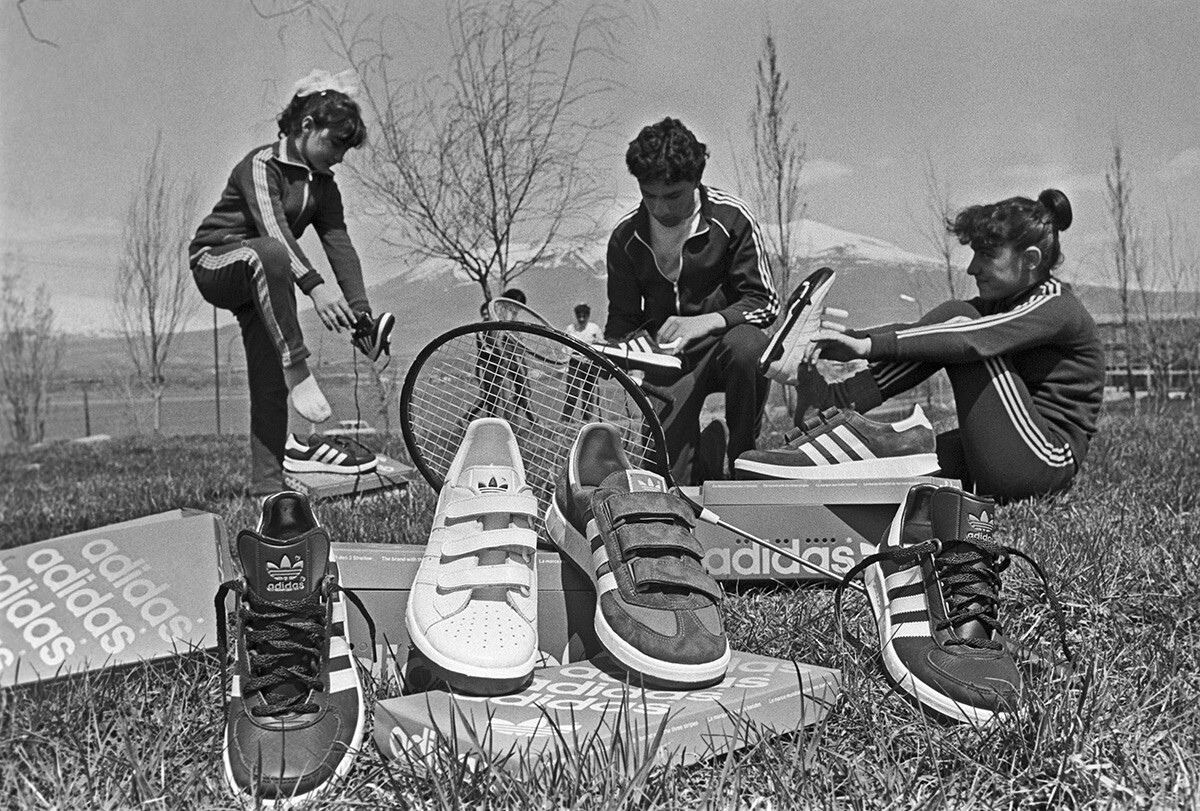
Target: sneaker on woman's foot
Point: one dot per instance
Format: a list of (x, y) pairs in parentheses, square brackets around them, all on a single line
[(658, 612), (843, 444)]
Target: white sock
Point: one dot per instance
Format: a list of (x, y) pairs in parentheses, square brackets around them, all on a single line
[(307, 399)]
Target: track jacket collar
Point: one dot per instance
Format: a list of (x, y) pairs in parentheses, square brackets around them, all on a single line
[(286, 153), (641, 220)]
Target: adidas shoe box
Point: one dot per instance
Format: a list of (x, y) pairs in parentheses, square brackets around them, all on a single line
[(587, 706), (382, 576), (833, 524)]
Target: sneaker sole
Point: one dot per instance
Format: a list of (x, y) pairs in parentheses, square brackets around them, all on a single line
[(308, 466), (924, 694), (651, 360), (344, 765), (791, 339), (576, 548), (895, 467)]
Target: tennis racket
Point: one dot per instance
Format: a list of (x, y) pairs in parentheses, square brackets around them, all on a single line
[(459, 377), (506, 309)]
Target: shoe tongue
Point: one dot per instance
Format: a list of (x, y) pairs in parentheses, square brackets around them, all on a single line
[(634, 481), (959, 516), (284, 569), (490, 479)]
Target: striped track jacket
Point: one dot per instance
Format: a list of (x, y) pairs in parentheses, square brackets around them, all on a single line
[(725, 270)]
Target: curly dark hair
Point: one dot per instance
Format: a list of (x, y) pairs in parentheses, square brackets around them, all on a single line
[(329, 108), (1018, 222), (666, 152)]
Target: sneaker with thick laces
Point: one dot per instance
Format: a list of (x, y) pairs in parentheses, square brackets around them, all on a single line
[(934, 587), (327, 454), (294, 711), (792, 344), (639, 351), (658, 612), (843, 444), (373, 336), (472, 611)]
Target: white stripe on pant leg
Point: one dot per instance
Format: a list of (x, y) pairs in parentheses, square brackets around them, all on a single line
[(268, 311), (1026, 426)]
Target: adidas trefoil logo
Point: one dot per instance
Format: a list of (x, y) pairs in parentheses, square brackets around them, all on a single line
[(287, 574), (981, 526), (494, 485)]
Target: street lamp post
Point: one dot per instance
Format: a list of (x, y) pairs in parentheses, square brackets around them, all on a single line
[(911, 300)]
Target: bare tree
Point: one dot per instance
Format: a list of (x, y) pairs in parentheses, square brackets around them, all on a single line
[(491, 163), (933, 227), (1126, 252), (30, 351), (152, 296), (778, 162)]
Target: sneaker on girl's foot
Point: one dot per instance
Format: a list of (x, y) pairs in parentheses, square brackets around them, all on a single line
[(843, 444), (294, 712)]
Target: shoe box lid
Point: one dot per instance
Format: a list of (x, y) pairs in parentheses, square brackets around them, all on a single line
[(109, 596), (589, 703), (834, 524)]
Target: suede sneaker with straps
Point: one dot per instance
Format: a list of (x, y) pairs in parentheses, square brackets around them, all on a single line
[(658, 612), (472, 611), (843, 444), (934, 586), (294, 711), (327, 454)]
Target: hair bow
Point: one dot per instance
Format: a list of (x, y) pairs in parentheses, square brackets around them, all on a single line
[(321, 80)]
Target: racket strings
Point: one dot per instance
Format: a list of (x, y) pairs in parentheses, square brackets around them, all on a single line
[(494, 372)]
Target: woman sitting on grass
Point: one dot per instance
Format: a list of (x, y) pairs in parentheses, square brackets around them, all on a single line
[(1023, 357)]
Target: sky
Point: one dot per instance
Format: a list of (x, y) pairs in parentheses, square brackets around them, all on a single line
[(1004, 98)]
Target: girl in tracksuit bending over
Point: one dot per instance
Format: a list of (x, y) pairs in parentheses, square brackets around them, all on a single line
[(1023, 357), (245, 258)]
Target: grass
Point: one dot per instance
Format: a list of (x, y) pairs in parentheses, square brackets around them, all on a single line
[(1122, 549)]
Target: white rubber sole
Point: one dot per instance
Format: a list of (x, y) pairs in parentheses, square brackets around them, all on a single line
[(627, 656), (924, 694), (645, 360), (501, 676), (796, 336), (309, 466), (893, 467)]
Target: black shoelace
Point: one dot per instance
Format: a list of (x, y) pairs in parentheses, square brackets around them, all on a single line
[(969, 574), (285, 643)]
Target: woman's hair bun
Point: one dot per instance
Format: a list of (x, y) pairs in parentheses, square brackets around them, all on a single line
[(1059, 207)]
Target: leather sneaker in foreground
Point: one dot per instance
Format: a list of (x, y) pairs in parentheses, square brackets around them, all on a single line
[(934, 587), (472, 611), (294, 712), (792, 344), (327, 454), (843, 444), (658, 613), (373, 336)]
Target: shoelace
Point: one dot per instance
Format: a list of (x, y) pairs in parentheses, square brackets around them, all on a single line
[(348, 445), (284, 640), (969, 573)]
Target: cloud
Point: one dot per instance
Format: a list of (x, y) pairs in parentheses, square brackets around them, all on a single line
[(818, 171), (1185, 164)]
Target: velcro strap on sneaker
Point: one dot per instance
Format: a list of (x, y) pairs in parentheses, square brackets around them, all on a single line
[(645, 506), (635, 539), (503, 575), (472, 541), (512, 503), (673, 573)]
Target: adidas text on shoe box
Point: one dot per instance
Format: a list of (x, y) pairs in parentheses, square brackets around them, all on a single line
[(589, 704), (832, 524), (136, 591), (382, 576)]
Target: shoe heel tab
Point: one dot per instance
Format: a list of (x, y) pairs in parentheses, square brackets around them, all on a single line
[(286, 515), (597, 453), (916, 419)]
